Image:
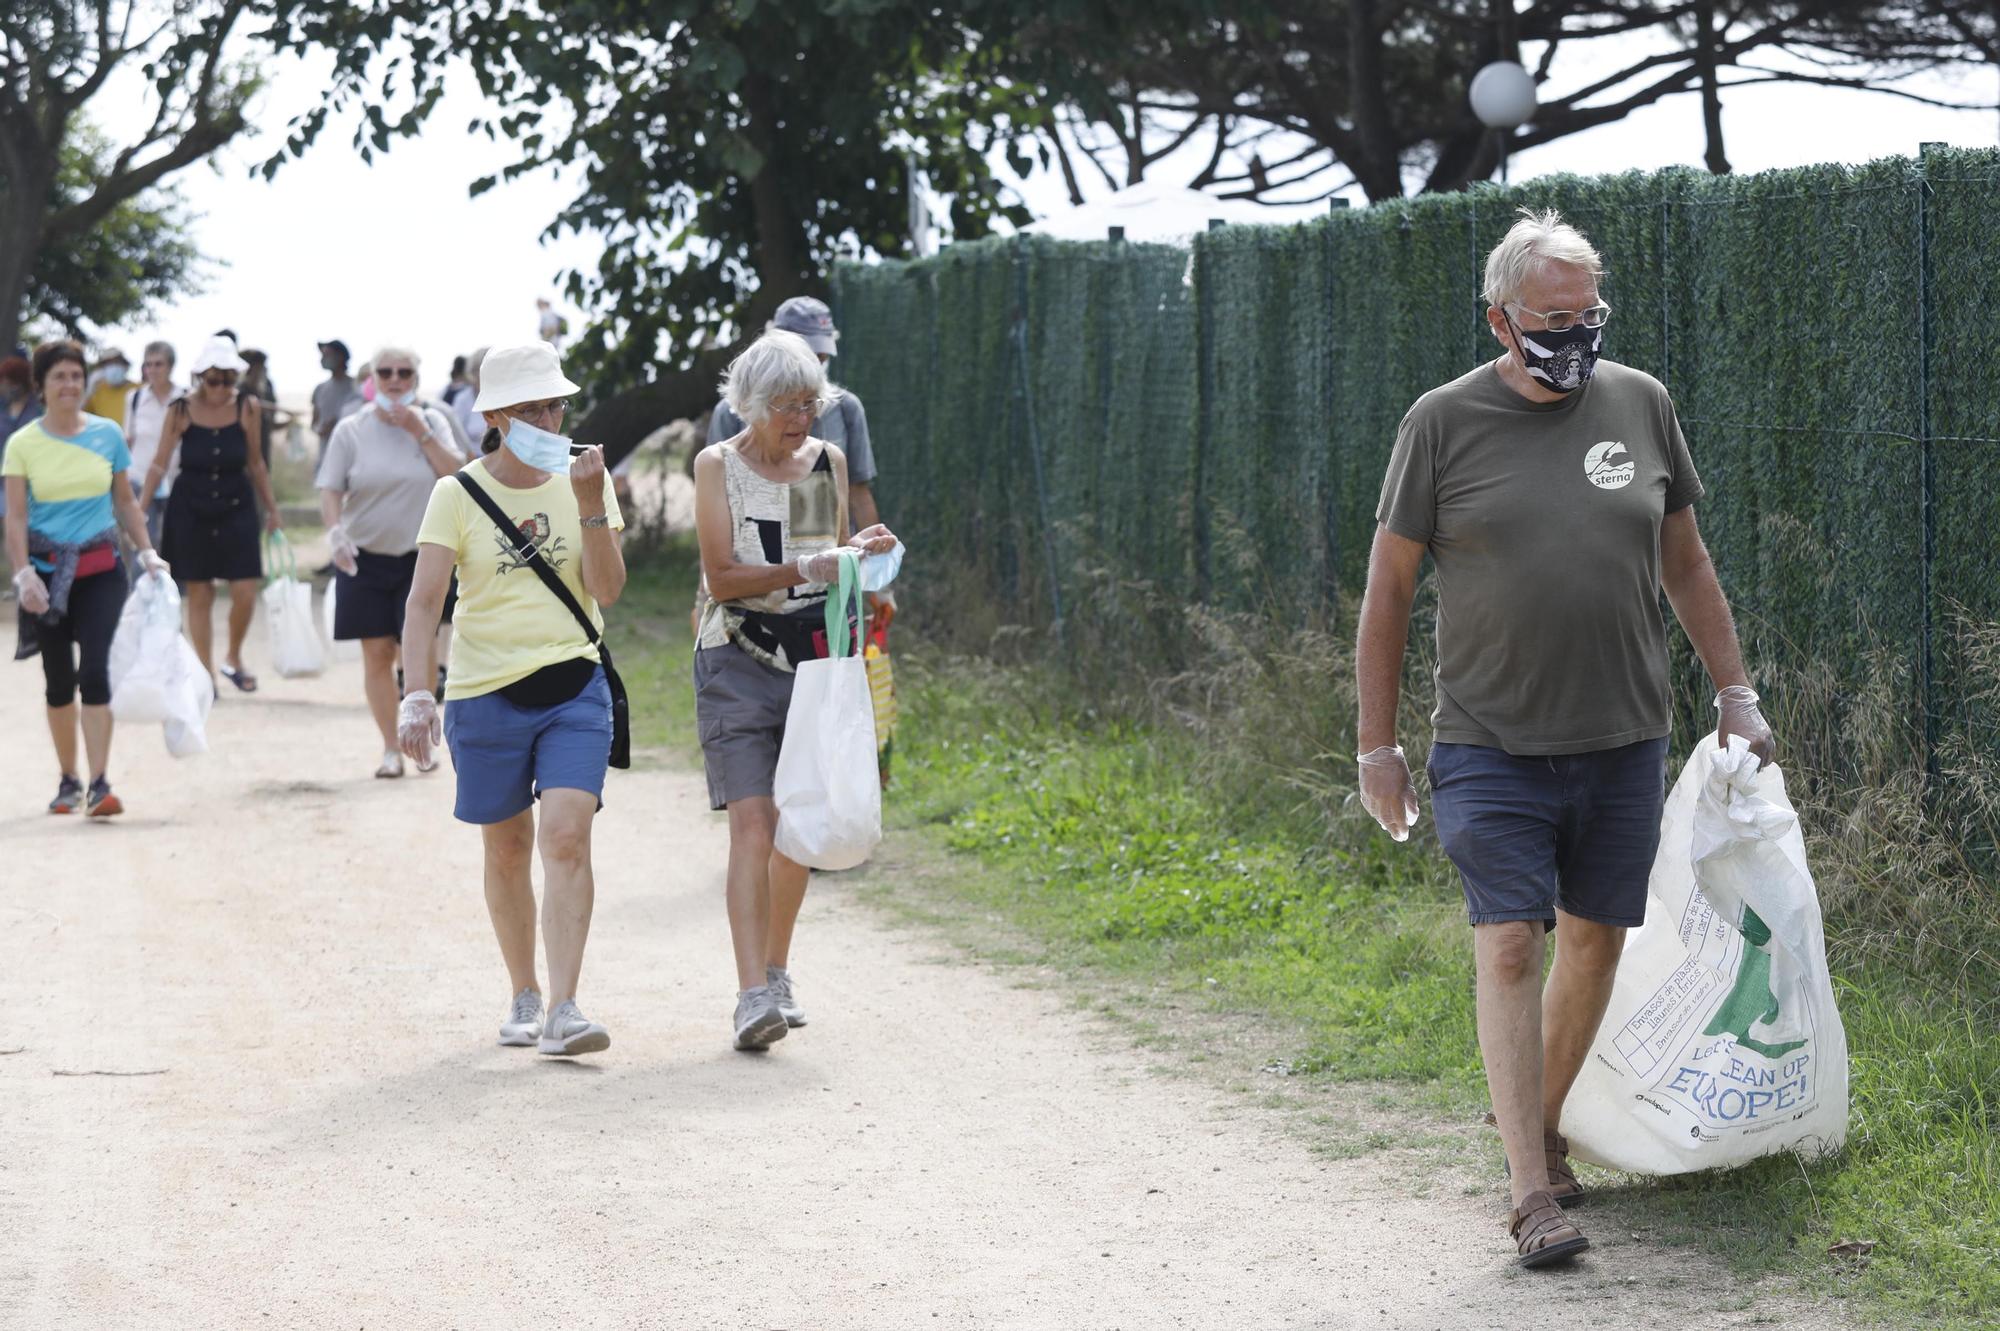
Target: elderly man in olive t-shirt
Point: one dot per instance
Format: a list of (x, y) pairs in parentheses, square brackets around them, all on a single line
[(1554, 494)]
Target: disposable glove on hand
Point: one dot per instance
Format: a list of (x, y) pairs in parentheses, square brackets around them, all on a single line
[(150, 562), (1739, 716), (34, 593), (822, 567), (344, 550), (419, 728), (1387, 790)]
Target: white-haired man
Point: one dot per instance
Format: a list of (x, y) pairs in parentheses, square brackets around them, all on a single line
[(1555, 494)]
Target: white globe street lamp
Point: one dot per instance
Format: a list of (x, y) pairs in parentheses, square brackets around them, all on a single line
[(1503, 97)]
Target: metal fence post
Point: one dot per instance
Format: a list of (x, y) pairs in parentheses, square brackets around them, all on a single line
[(1204, 352), (1927, 560), (1024, 387)]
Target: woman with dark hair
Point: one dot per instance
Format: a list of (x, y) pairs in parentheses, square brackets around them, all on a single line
[(18, 403), (67, 499), (211, 528)]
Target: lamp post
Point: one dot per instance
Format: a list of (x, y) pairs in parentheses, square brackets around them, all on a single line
[(1503, 97)]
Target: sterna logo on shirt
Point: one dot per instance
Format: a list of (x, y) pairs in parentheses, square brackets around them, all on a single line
[(1609, 466)]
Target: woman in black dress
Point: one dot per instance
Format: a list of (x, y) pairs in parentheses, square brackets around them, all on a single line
[(211, 520)]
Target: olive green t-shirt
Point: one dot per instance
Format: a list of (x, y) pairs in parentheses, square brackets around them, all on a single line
[(1543, 520)]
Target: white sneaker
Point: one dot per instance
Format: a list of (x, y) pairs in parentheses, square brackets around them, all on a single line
[(524, 1022), (568, 1031), (779, 981), (759, 1023)]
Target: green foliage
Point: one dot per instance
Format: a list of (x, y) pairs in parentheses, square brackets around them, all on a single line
[(140, 256), (730, 149)]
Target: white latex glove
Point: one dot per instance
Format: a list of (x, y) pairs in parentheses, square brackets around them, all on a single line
[(419, 728), (1387, 790), (150, 562), (34, 593), (822, 567), (875, 540), (1737, 706), (344, 550)]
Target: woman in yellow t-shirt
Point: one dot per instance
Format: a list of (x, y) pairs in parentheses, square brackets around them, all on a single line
[(530, 711)]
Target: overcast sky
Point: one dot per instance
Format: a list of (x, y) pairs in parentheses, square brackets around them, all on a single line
[(397, 252)]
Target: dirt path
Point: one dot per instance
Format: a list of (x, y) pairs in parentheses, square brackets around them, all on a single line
[(299, 958)]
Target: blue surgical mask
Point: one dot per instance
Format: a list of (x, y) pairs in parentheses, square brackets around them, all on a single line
[(537, 447), (878, 571), (389, 400)]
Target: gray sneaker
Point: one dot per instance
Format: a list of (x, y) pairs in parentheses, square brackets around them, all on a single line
[(779, 981), (524, 1022), (568, 1031), (759, 1023)]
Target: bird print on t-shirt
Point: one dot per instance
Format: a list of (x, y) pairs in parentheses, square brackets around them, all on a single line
[(537, 531)]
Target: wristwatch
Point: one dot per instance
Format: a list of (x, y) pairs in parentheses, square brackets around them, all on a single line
[(597, 520)]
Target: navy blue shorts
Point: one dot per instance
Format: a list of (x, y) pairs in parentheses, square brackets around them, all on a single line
[(507, 755), (1576, 830)]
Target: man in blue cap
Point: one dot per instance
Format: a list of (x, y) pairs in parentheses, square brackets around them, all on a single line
[(843, 424)]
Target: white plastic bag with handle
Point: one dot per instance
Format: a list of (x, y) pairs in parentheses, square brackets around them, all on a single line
[(1722, 1043), (145, 661), (188, 702), (288, 613), (828, 788)]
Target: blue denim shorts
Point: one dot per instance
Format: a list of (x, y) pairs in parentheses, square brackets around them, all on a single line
[(1576, 830), (507, 755)]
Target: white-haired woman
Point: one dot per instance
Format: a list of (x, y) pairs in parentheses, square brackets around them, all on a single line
[(770, 509), (530, 716), (210, 533), (375, 480)]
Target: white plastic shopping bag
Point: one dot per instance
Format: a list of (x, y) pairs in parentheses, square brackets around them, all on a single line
[(1722, 1042), (337, 651), (155, 675), (145, 662), (288, 614), (828, 789)]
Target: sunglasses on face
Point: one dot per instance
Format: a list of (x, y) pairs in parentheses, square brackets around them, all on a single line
[(219, 380), (396, 372)]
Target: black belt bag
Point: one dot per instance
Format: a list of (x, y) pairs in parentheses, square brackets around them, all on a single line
[(621, 715)]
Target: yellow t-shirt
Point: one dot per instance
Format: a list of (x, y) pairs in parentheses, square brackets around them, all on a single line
[(108, 400), (508, 624)]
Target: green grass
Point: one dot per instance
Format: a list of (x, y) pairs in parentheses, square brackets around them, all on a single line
[(1126, 854), (652, 644)]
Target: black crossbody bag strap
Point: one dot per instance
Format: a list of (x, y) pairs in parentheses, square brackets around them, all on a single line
[(621, 723)]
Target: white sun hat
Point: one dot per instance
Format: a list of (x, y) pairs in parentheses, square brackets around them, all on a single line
[(218, 353), (530, 372)]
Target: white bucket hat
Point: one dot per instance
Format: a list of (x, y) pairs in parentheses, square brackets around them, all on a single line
[(218, 353), (530, 372)]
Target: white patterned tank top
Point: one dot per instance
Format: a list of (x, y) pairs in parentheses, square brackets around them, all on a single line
[(775, 522)]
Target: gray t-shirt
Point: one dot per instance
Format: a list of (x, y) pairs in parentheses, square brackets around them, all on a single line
[(845, 426), (385, 476), (331, 401), (1544, 523)]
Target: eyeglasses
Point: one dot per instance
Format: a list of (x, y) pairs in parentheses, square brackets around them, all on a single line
[(218, 380), (1558, 321), (529, 411), (807, 409), (395, 372)]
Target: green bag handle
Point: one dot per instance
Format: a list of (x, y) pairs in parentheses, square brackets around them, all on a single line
[(279, 561), (837, 603)]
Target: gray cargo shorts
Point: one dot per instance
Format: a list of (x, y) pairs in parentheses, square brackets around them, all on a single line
[(739, 708)]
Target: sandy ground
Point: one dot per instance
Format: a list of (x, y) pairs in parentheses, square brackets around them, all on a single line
[(292, 962)]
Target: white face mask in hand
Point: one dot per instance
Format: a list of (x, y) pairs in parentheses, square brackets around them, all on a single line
[(388, 402)]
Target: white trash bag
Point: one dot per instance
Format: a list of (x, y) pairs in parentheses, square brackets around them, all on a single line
[(145, 665), (1722, 1043), (155, 675), (288, 614), (337, 651), (828, 788)]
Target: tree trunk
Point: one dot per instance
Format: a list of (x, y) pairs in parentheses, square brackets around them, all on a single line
[(1711, 91), (23, 215), (1380, 170)]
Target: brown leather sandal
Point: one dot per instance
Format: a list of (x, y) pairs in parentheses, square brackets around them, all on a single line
[(1542, 1233), (1563, 1185)]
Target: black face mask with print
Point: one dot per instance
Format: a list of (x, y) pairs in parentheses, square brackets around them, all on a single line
[(1560, 362)]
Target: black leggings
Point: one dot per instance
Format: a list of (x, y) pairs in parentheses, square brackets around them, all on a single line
[(92, 620)]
